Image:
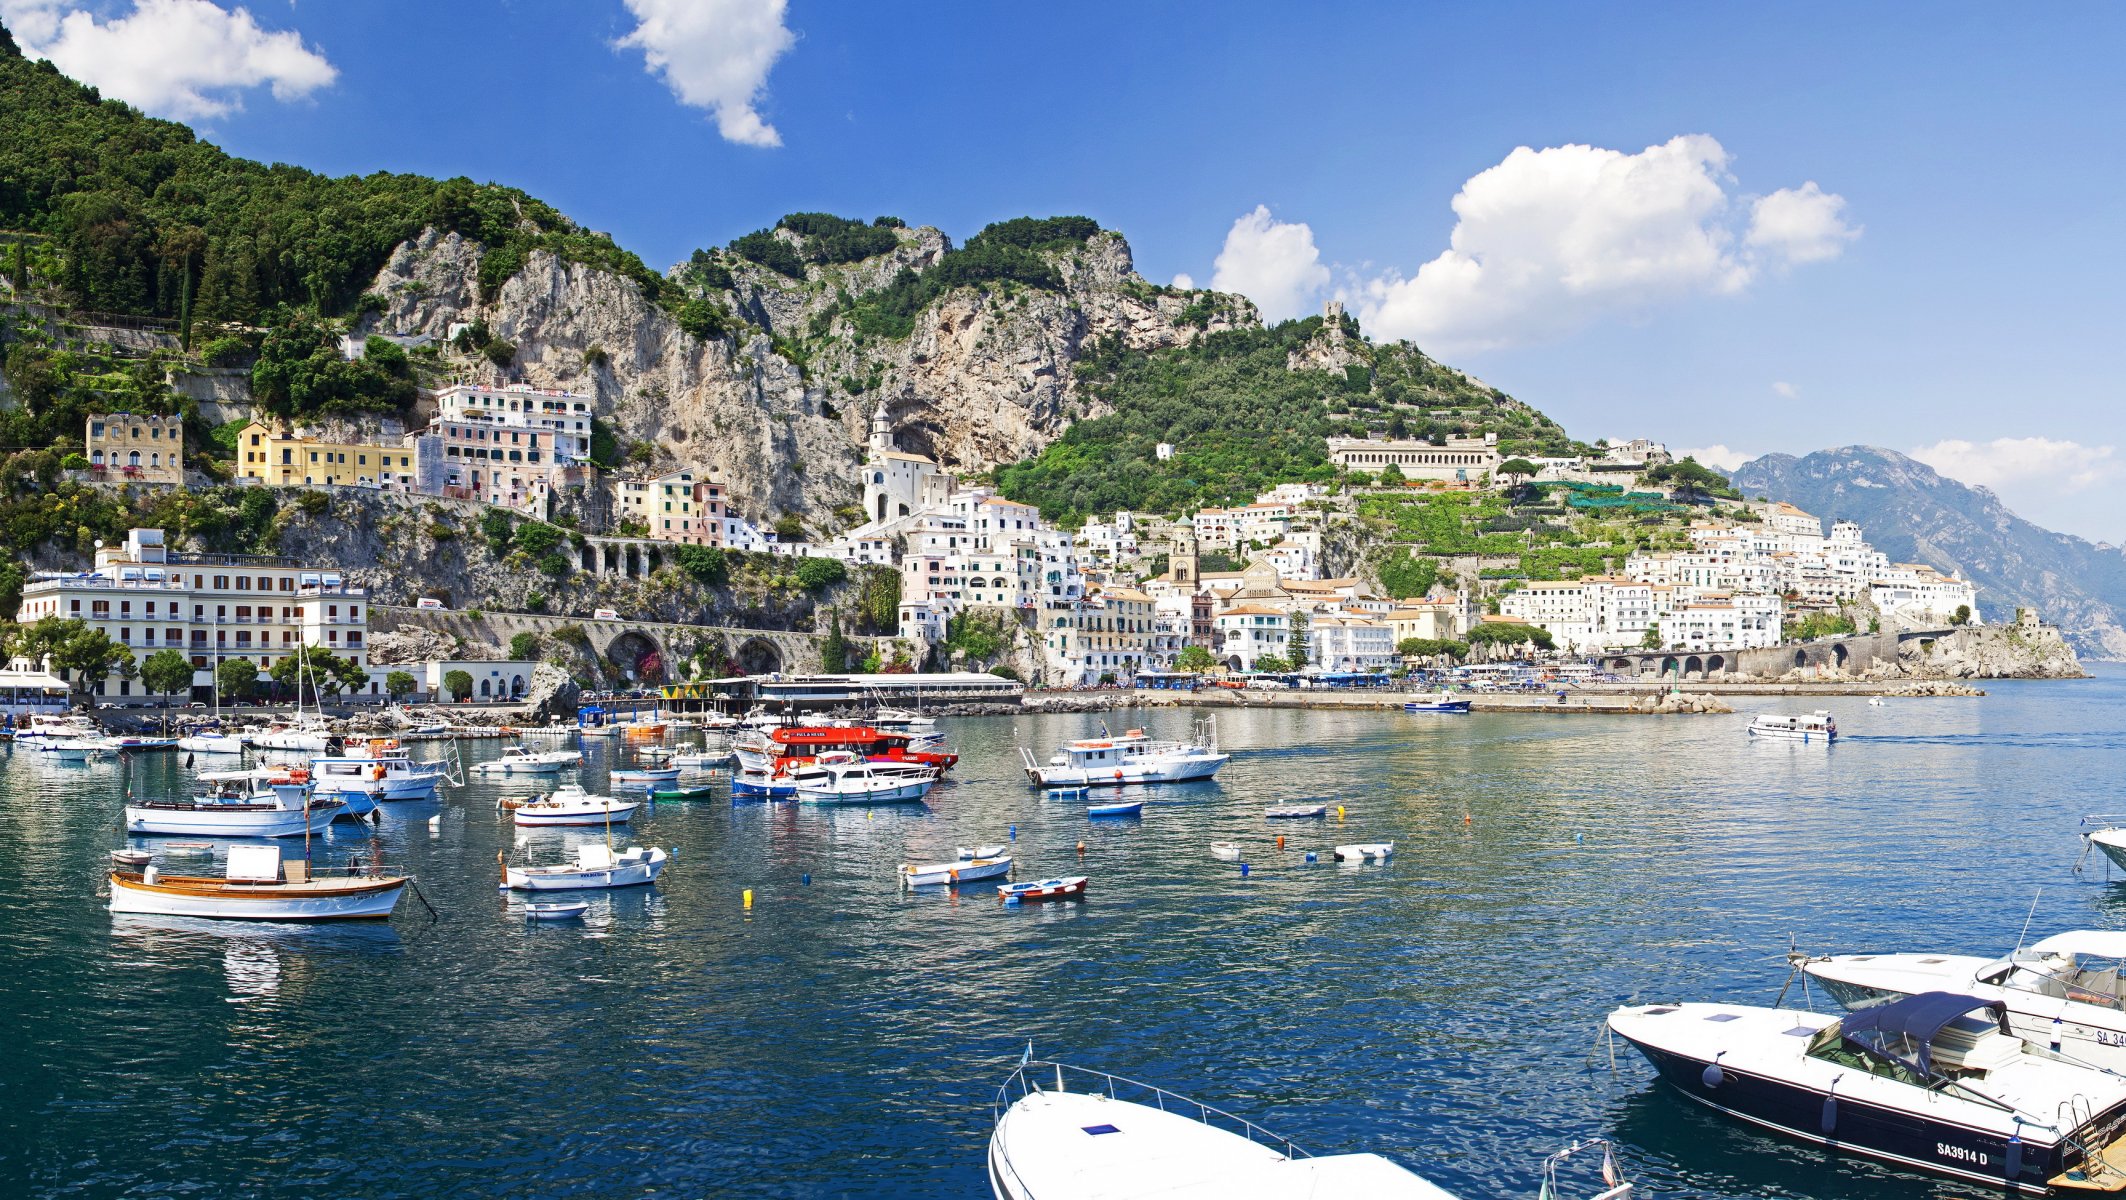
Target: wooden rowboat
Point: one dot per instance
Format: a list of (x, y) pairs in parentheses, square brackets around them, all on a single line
[(558, 910), (1046, 889), (1297, 812), (700, 792)]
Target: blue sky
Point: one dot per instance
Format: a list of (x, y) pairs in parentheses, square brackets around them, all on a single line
[(1947, 283)]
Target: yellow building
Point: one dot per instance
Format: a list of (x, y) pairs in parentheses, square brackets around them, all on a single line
[(128, 449), (285, 458)]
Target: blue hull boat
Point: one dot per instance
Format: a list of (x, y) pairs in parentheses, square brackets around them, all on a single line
[(1135, 809)]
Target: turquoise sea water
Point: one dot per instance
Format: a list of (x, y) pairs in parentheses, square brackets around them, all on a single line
[(845, 1039)]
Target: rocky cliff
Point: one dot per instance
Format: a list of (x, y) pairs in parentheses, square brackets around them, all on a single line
[(1914, 514), (775, 399)]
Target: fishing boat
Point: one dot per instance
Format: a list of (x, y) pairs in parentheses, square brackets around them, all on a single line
[(571, 805), (262, 804), (1935, 1081), (696, 792), (955, 873), (1438, 703), (1134, 808), (1818, 727), (1118, 1139), (256, 885), (1131, 758), (1047, 889), (556, 910), (1365, 852), (377, 770), (2063, 992), (1296, 812), (762, 785), (858, 782), (597, 865), (516, 760), (997, 851), (643, 776)]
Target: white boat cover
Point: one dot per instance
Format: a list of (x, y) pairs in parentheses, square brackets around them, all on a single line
[(2085, 943), (1067, 1144)]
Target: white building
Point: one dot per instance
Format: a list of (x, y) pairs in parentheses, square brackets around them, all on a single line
[(492, 679), (1722, 622), (209, 607), (1922, 597), (1247, 632), (1103, 638), (520, 406), (1350, 644), (1215, 528), (898, 485)]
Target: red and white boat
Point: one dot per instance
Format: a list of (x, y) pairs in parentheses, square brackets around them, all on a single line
[(779, 751), (1046, 889)]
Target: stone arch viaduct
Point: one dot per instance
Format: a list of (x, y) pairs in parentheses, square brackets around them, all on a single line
[(631, 644)]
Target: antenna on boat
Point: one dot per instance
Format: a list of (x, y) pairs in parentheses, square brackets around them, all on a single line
[(2027, 919)]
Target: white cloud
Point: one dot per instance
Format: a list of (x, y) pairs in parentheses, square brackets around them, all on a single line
[(1185, 281), (2047, 464), (715, 54), (1272, 262), (1550, 240), (1716, 455), (1801, 225), (1783, 388), (185, 59)]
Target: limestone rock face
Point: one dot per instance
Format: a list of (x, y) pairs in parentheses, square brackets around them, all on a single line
[(779, 410)]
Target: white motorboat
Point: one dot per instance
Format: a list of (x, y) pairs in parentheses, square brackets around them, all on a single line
[(237, 804), (1365, 852), (1935, 1082), (717, 722), (644, 776), (61, 728), (1131, 758), (1117, 1139), (556, 910), (955, 873), (75, 750), (997, 851), (703, 760), (572, 805), (1818, 727), (852, 781), (378, 772), (214, 743), (257, 886), (596, 866), (516, 760), (2110, 840), (311, 734), (901, 718), (2063, 992)]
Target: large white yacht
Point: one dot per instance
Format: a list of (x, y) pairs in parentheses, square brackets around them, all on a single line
[(1132, 757)]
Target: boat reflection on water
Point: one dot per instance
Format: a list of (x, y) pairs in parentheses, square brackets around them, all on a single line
[(155, 933)]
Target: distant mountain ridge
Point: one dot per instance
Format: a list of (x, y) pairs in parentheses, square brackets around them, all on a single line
[(1914, 514)]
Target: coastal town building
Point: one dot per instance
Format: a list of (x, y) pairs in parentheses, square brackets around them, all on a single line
[(1349, 644), (563, 418), (281, 456), (211, 607), (129, 448), (675, 507), (492, 679), (1246, 632), (1103, 638), (1458, 459)]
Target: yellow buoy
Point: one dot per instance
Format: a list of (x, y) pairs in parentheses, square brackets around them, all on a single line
[(749, 897)]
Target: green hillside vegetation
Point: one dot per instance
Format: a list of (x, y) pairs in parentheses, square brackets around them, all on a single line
[(143, 218), (1240, 421)]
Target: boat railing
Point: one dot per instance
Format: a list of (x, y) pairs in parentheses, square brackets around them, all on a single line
[(1030, 1076)]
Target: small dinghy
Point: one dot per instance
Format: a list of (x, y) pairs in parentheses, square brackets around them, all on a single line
[(997, 851), (1226, 850), (645, 777), (1047, 889), (556, 910), (953, 874), (135, 859), (187, 849), (1297, 812), (1134, 809), (697, 792), (1365, 852)]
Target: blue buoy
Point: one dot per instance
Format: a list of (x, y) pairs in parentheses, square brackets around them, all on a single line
[(1713, 1076), (1014, 833), (1579, 839), (1243, 870), (806, 878), (1310, 856)]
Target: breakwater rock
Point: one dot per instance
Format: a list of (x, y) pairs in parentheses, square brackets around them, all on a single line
[(1680, 702)]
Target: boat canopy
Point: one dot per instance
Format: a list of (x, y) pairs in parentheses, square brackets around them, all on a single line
[(2085, 943), (1914, 1021)]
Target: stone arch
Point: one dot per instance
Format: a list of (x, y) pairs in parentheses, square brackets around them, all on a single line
[(1620, 664), (1669, 665), (759, 656), (1233, 663), (1715, 664), (1694, 667), (1839, 655), (637, 655), (587, 558), (1801, 659), (516, 687)]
